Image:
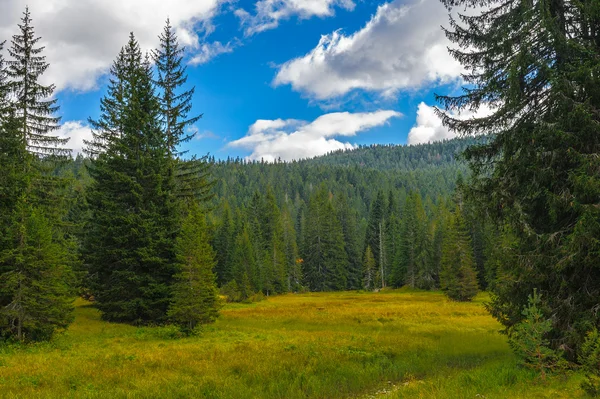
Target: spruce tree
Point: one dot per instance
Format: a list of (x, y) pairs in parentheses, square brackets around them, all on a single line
[(129, 245), (414, 268), (192, 175), (224, 246), (369, 270), (347, 218), (292, 265), (38, 280), (536, 64), (35, 298), (195, 299), (33, 103), (375, 236), (325, 260), (458, 278), (244, 264), (5, 103)]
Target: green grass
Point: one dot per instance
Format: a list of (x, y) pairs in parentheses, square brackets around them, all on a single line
[(395, 344)]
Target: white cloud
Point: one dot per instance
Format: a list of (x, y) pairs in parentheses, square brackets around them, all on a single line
[(208, 51), (270, 12), (401, 47), (429, 126), (76, 132), (82, 37), (294, 139)]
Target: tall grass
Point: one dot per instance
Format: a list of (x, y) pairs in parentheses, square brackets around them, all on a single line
[(395, 344)]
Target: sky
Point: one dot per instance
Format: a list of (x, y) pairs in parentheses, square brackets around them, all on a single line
[(274, 79)]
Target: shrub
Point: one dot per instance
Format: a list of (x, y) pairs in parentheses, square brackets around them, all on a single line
[(231, 291)]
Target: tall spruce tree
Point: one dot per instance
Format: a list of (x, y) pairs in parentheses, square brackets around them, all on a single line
[(195, 298), (375, 237), (348, 220), (292, 267), (33, 103), (192, 175), (325, 260), (129, 245), (413, 269), (35, 295), (536, 64), (458, 278)]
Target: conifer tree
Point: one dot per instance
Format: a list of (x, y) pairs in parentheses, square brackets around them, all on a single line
[(369, 269), (35, 299), (224, 246), (292, 265), (325, 259), (195, 299), (244, 262), (393, 229), (375, 229), (37, 282), (347, 218), (414, 269), (535, 63), (5, 103), (458, 278), (33, 103), (275, 274), (193, 175), (129, 245)]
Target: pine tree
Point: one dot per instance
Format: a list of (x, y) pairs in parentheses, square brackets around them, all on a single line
[(129, 245), (535, 63), (195, 298), (369, 270), (458, 278)]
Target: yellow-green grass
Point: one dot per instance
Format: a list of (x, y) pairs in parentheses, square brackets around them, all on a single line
[(394, 344)]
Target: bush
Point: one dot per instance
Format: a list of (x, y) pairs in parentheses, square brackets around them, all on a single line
[(590, 360), (529, 341), (232, 292), (259, 296)]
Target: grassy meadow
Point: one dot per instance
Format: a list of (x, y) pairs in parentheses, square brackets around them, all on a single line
[(394, 344)]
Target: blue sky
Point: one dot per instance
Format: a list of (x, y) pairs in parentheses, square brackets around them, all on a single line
[(274, 78)]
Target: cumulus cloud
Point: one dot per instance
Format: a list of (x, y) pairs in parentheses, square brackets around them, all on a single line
[(82, 37), (295, 139), (401, 47), (429, 126), (76, 132), (268, 13)]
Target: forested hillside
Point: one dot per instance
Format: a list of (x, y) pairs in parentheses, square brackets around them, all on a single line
[(362, 219)]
